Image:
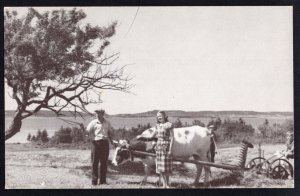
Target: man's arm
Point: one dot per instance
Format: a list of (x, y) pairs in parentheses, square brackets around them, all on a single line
[(90, 130)]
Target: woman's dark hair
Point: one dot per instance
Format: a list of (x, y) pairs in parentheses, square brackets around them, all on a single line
[(165, 116)]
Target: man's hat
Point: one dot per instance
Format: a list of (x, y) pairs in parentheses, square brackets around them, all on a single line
[(100, 111)]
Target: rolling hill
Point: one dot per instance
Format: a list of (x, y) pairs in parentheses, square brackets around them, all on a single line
[(175, 113)]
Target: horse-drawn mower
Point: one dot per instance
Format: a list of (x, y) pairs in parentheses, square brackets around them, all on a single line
[(277, 166), (240, 167)]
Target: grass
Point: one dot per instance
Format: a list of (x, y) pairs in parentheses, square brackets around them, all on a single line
[(27, 166)]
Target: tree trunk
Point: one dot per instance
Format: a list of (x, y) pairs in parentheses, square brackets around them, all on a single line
[(15, 125)]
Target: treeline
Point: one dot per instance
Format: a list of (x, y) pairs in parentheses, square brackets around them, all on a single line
[(77, 136), (234, 131), (227, 131), (130, 133), (275, 133), (199, 114), (41, 136)]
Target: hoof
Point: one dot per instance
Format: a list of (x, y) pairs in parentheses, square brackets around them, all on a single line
[(157, 183), (207, 185), (202, 185), (195, 185)]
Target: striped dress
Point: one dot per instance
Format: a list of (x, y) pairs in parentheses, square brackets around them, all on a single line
[(163, 159)]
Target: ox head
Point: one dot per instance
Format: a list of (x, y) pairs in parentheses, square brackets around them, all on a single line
[(122, 152)]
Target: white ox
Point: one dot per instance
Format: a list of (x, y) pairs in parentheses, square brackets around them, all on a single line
[(188, 142)]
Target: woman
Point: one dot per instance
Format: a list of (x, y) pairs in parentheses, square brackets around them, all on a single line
[(164, 132), (290, 145)]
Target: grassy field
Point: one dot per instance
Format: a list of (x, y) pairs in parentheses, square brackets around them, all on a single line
[(29, 167)]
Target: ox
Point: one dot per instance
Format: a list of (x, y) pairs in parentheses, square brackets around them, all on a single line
[(188, 142)]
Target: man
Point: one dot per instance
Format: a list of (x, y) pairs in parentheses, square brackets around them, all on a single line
[(100, 133), (212, 143)]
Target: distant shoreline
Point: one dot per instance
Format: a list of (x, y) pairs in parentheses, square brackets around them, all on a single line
[(172, 113)]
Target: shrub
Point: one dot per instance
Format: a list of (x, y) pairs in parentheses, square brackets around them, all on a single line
[(217, 123), (288, 125), (33, 138), (64, 135), (78, 135), (198, 122), (29, 137), (234, 131), (177, 123), (44, 136), (39, 135), (122, 133), (275, 133)]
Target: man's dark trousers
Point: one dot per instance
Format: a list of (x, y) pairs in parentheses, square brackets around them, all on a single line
[(100, 152), (212, 149)]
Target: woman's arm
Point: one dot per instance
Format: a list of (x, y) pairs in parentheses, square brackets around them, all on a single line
[(171, 139)]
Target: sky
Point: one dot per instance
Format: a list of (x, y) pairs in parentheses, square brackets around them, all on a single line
[(198, 58)]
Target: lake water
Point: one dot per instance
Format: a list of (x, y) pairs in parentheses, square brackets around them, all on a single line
[(32, 124)]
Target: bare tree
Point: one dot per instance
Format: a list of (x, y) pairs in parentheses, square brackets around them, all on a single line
[(54, 62)]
